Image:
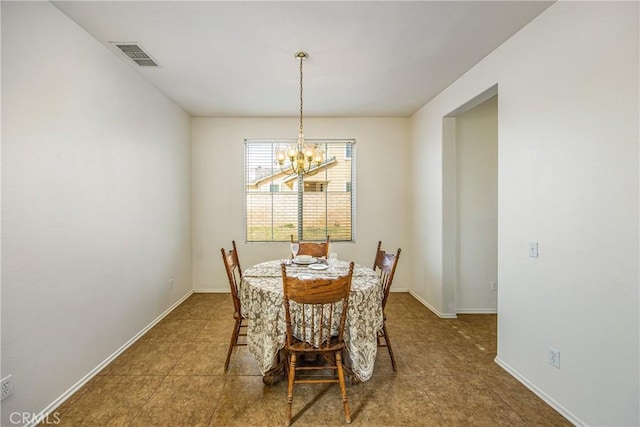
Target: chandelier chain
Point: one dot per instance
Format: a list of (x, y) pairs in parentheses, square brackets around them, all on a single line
[(301, 113), (303, 158)]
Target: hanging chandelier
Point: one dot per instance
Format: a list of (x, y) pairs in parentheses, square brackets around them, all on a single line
[(300, 158)]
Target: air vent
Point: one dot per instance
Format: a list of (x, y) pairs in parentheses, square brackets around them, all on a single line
[(134, 52)]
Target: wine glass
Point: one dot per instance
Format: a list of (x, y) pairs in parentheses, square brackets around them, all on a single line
[(294, 249), (332, 261)]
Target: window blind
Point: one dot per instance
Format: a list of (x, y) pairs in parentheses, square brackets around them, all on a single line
[(278, 205)]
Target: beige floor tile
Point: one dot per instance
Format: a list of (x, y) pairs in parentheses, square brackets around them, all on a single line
[(175, 330), (246, 401), (531, 408), (430, 358), (419, 330), (150, 358), (175, 376), (321, 405), (395, 401), (202, 358), (203, 307), (217, 329), (78, 394), (243, 363), (113, 400), (383, 363), (467, 401), (182, 401)]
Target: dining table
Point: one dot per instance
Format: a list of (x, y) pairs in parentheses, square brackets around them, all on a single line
[(261, 298)]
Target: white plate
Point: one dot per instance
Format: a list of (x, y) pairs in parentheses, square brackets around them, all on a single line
[(304, 261), (304, 276), (318, 266)]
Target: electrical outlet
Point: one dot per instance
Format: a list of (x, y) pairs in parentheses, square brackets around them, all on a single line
[(494, 285), (554, 357), (171, 283), (7, 387)]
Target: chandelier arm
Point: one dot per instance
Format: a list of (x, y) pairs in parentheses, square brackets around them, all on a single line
[(286, 173)]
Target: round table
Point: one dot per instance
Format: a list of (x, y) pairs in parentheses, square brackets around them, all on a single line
[(261, 297)]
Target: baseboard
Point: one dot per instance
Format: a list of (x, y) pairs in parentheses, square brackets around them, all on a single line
[(405, 290), (74, 388), (211, 291), (430, 307), (476, 311), (541, 394)]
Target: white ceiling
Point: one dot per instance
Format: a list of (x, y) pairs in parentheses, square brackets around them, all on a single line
[(236, 58)]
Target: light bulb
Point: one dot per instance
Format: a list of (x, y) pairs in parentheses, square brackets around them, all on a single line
[(309, 152), (291, 152)]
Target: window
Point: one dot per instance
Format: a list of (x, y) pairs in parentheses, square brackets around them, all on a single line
[(278, 205), (314, 186)]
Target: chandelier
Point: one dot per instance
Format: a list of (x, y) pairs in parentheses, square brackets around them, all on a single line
[(300, 158)]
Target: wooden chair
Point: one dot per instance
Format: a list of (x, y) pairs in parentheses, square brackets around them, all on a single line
[(385, 265), (316, 310), (234, 273), (315, 249)]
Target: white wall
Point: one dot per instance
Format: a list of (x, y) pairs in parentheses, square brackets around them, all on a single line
[(568, 178), (477, 208), (218, 191), (96, 204)]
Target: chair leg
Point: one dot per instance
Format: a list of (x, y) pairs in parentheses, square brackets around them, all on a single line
[(283, 360), (343, 388), (388, 343), (292, 377), (234, 341)]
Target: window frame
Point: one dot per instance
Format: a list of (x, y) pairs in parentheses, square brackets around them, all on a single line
[(300, 191)]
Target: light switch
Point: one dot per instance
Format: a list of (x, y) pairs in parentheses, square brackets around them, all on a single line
[(533, 249)]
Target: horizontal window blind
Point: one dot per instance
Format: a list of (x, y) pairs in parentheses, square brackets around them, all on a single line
[(278, 205)]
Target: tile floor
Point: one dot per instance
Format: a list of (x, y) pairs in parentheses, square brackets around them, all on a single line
[(174, 376)]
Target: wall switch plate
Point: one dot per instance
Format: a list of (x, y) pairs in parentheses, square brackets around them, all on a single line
[(533, 249), (494, 285), (6, 387), (554, 357)]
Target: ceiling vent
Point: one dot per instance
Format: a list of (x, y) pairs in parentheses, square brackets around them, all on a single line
[(134, 52)]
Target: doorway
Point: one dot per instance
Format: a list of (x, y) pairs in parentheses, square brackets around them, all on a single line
[(471, 205)]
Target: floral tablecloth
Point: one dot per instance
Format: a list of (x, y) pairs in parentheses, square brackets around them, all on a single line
[(261, 299)]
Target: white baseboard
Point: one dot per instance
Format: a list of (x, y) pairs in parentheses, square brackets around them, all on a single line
[(541, 394), (399, 289), (430, 307), (476, 311), (67, 394)]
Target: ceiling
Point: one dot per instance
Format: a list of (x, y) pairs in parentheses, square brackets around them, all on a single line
[(366, 59)]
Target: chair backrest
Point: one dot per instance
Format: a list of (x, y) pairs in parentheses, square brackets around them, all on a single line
[(315, 249), (385, 265), (320, 305), (234, 273)]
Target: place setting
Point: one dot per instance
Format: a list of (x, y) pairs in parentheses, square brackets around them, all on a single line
[(315, 264)]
